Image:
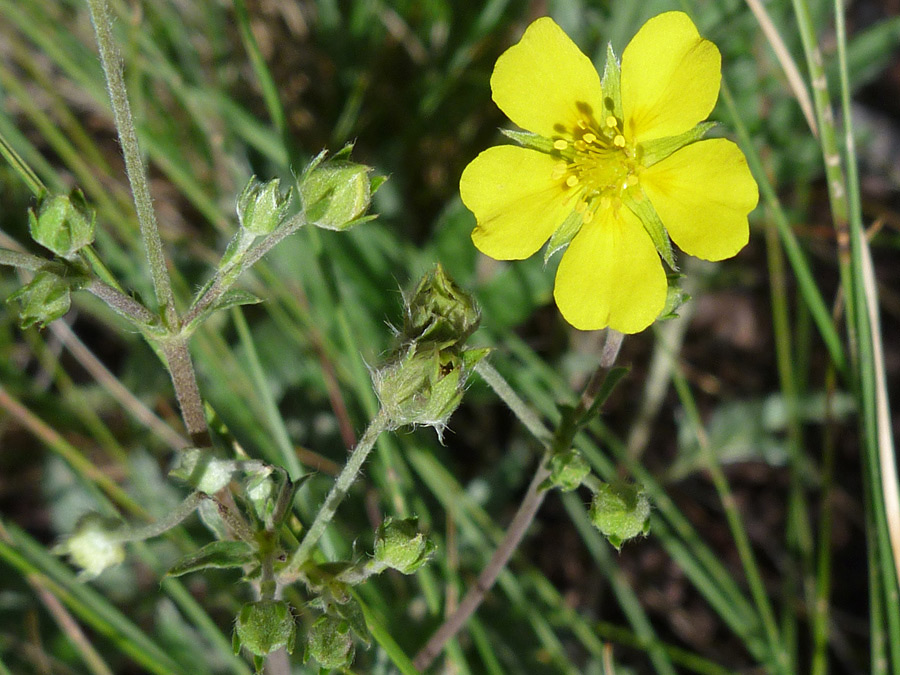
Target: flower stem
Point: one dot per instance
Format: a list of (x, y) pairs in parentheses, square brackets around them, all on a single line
[(227, 276), (338, 491), (534, 497), (170, 520), (25, 261), (134, 164), (178, 360)]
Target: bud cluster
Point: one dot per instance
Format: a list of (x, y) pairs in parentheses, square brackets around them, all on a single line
[(424, 381)]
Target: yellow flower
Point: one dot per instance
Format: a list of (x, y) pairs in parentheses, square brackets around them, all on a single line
[(605, 169)]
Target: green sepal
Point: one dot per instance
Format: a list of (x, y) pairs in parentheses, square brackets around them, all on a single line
[(529, 140), (63, 224), (675, 297), (611, 87), (567, 471), (352, 613), (47, 296), (216, 555), (329, 643), (621, 511), (563, 234), (644, 210), (658, 149)]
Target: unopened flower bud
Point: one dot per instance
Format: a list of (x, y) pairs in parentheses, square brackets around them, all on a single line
[(400, 546), (63, 223), (264, 626), (46, 297), (335, 193), (93, 546), (440, 311), (424, 384), (621, 511), (261, 207), (567, 470), (330, 643)]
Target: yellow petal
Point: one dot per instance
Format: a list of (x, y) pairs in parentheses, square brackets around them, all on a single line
[(515, 199), (544, 81), (703, 194), (670, 78), (611, 275)]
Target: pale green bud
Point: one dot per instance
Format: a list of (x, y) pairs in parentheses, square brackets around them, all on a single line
[(330, 643), (261, 207), (621, 511), (335, 193), (440, 311), (400, 546), (46, 297), (201, 469), (264, 626), (567, 470), (63, 223), (94, 545)]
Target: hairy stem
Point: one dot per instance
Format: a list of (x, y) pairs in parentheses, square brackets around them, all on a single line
[(24, 261), (178, 360), (338, 491), (134, 164)]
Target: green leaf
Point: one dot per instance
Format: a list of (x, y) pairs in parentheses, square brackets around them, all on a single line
[(218, 555)]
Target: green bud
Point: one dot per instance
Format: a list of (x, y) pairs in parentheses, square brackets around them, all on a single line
[(63, 223), (440, 311), (621, 511), (423, 385), (400, 546), (93, 546), (46, 297), (567, 470), (335, 193), (200, 468), (261, 207), (264, 626), (330, 643)]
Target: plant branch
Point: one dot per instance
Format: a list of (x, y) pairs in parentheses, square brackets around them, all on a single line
[(226, 277), (25, 261), (534, 497), (178, 360), (338, 491), (122, 304), (134, 164)]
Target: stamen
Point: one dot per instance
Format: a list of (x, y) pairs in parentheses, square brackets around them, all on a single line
[(581, 206), (572, 181), (580, 146), (559, 170), (589, 138), (619, 141), (612, 122), (587, 217), (560, 144)]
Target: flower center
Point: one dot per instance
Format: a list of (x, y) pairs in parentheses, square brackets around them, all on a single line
[(597, 164)]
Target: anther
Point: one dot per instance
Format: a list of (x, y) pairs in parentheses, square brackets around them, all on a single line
[(589, 138), (572, 181), (581, 146), (559, 170), (619, 141), (560, 144), (587, 217), (612, 122)]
